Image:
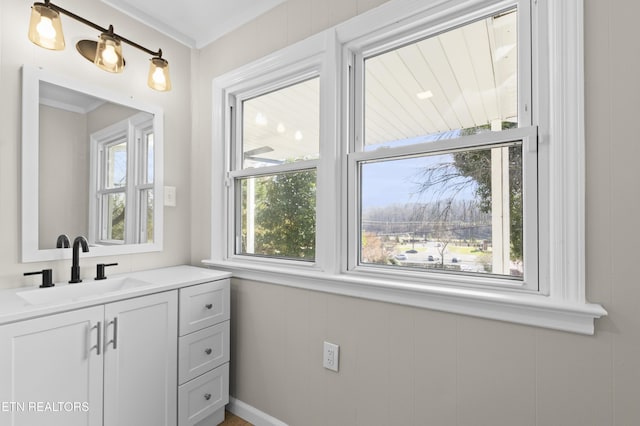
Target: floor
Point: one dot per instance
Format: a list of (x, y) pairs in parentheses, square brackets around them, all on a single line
[(233, 420)]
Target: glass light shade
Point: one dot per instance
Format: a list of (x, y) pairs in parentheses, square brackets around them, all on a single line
[(109, 54), (159, 75), (45, 27)]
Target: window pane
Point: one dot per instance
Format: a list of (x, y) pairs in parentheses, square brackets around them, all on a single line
[(278, 215), (459, 211), (114, 213), (148, 176), (146, 216), (116, 165), (437, 88), (282, 126)]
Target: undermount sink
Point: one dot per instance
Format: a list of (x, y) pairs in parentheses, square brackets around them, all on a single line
[(80, 291)]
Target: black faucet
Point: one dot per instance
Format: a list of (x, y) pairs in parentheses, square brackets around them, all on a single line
[(75, 267), (62, 241)]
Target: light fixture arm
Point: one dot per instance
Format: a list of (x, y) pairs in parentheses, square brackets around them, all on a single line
[(109, 30)]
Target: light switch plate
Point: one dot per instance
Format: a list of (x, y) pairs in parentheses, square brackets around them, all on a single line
[(170, 196)]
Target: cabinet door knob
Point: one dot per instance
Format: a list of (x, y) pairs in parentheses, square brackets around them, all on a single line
[(208, 351), (207, 396), (208, 306)]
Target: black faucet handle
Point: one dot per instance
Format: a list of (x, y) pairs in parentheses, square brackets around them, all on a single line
[(47, 277), (100, 270), (63, 241)]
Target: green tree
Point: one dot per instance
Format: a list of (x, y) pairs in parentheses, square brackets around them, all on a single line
[(476, 166), (286, 215), (473, 169)]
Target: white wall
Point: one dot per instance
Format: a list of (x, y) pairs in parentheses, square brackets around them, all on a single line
[(63, 202), (16, 50), (411, 366)]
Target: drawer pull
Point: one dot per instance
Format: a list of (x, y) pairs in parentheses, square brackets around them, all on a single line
[(208, 351), (208, 306), (207, 396), (115, 333)]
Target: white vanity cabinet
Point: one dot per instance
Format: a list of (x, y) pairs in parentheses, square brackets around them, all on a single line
[(111, 365), (49, 360), (140, 361), (203, 372)]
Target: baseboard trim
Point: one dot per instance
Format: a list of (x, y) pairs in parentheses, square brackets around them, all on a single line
[(252, 414)]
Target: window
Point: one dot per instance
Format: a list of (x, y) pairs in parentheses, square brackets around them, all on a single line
[(275, 176), (440, 163), (122, 177), (429, 155)]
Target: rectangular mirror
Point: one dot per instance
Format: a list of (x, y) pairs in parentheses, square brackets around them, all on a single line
[(92, 165)]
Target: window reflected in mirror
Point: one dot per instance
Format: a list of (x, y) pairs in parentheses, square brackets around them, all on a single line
[(121, 171)]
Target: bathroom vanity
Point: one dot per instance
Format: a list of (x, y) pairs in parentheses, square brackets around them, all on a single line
[(149, 348)]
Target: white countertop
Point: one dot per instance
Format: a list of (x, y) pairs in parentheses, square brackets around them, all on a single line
[(15, 308)]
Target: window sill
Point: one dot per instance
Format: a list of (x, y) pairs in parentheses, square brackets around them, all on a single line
[(521, 308)]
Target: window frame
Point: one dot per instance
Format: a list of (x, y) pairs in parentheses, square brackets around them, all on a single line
[(276, 81), (141, 186), (355, 53), (305, 64), (557, 115)]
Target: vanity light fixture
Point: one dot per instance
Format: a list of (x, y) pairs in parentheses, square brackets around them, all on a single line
[(45, 30)]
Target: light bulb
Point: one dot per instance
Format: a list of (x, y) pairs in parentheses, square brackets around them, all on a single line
[(425, 95), (281, 128), (45, 28), (298, 135), (158, 79), (261, 120), (109, 55)]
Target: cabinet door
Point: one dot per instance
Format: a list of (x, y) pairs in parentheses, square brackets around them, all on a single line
[(51, 370), (140, 370)]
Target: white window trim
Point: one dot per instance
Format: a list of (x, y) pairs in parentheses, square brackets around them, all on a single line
[(560, 75)]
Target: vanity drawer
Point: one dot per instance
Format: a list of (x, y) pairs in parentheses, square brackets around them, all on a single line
[(203, 305), (202, 351), (203, 395)]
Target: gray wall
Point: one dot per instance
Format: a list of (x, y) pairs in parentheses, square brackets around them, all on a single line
[(409, 366)]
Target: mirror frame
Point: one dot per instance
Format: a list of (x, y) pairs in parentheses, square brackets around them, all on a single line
[(31, 252)]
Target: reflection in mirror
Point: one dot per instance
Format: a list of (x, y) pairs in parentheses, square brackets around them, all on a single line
[(92, 166)]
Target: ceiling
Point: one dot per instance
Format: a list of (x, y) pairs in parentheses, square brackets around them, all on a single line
[(460, 80), (464, 78), (195, 23), (67, 99)]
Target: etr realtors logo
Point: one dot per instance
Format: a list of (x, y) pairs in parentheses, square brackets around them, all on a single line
[(43, 407)]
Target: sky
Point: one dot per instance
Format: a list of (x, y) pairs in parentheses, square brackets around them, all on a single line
[(397, 182)]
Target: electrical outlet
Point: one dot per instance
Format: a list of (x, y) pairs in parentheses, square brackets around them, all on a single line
[(330, 356)]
